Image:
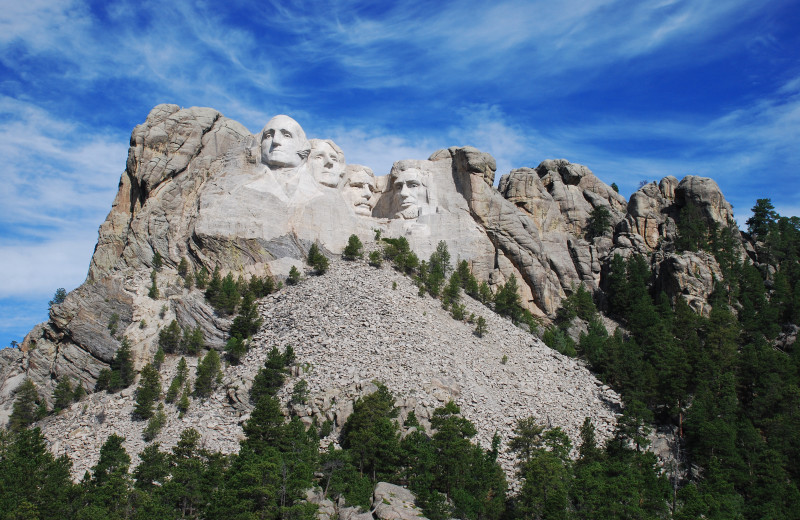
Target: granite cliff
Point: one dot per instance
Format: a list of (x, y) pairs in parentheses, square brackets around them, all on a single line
[(201, 187)]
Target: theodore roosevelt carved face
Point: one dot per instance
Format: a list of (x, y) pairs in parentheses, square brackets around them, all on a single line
[(326, 161), (359, 188), (283, 144)]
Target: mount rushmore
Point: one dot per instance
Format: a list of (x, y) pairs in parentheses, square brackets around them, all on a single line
[(200, 186)]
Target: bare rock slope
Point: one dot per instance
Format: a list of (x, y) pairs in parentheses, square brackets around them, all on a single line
[(350, 329)]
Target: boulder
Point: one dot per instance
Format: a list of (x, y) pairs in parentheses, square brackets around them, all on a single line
[(391, 502)]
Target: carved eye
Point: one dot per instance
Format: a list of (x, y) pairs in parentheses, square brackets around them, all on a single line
[(287, 134), (269, 133)]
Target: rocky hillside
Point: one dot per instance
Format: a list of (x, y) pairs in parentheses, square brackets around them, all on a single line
[(198, 186), (350, 328)]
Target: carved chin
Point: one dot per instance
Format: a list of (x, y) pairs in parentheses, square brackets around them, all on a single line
[(364, 210), (328, 179), (408, 213)]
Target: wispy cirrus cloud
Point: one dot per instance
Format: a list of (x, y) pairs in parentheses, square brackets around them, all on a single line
[(55, 174)]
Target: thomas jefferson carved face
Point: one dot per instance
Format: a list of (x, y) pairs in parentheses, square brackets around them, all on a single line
[(283, 143), (327, 163), (411, 193), (358, 191)]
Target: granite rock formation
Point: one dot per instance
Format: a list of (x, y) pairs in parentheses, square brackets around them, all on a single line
[(200, 186)]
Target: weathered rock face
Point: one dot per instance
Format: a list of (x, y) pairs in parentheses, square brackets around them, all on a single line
[(690, 276), (200, 186)]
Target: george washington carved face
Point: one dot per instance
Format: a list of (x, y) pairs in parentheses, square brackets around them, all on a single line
[(283, 143)]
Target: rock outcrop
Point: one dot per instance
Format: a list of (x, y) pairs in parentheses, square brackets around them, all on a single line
[(201, 187)]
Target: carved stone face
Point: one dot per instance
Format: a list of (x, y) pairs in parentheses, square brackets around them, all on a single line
[(358, 191), (411, 193), (283, 143), (327, 164)]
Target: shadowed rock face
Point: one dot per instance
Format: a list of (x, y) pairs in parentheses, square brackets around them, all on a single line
[(202, 187)]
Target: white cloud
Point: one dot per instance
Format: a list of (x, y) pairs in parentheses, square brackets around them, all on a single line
[(56, 175), (39, 269), (375, 148), (59, 180)]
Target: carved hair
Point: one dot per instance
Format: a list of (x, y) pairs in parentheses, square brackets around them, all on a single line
[(315, 143), (401, 166)]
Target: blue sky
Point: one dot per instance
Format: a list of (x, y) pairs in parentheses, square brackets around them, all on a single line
[(634, 90)]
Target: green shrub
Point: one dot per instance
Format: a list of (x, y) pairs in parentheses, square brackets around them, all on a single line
[(235, 349), (375, 259), (169, 338), (480, 327), (353, 248), (209, 374), (153, 291), (294, 276), (318, 261), (299, 392), (147, 392), (155, 424), (62, 395), (183, 267), (113, 324)]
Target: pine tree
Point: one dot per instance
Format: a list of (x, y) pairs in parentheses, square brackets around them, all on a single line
[(158, 262), (58, 297), (109, 486), (62, 395), (183, 402), (208, 374), (183, 267), (353, 248), (294, 276), (153, 469), (192, 342), (451, 294), (33, 483), (375, 258), (599, 222), (169, 338), (155, 424), (507, 300), (764, 215), (25, 408), (372, 435), (158, 358), (480, 326), (318, 261), (248, 321), (214, 287), (148, 392), (201, 279), (153, 291), (178, 381), (270, 378)]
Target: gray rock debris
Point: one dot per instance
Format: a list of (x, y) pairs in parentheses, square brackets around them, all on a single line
[(349, 328)]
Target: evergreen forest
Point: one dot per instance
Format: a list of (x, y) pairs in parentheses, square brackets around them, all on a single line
[(725, 385)]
